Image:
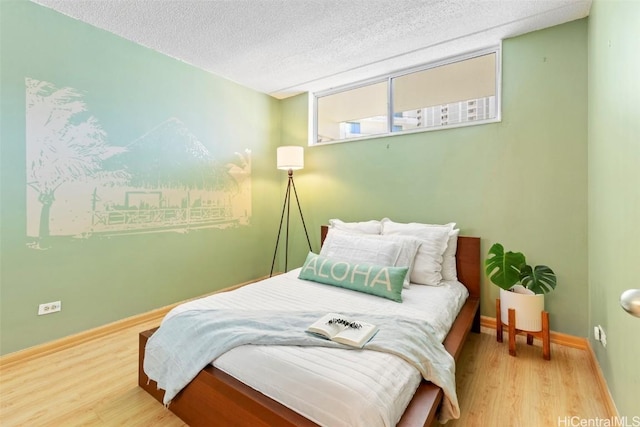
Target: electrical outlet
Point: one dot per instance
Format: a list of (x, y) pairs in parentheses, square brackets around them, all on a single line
[(603, 336), (596, 333), (49, 307)]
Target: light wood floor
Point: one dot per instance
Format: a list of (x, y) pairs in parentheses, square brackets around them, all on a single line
[(495, 389), (95, 384)]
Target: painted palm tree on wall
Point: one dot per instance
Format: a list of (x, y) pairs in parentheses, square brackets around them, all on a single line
[(64, 144)]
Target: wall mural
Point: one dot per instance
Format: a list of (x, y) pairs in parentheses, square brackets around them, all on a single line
[(79, 185)]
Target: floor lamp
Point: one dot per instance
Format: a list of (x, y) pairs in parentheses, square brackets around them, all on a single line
[(289, 158)]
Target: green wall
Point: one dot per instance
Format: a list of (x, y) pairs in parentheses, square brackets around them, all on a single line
[(614, 197), (130, 90), (522, 182)]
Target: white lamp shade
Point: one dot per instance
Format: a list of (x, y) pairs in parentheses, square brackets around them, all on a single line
[(290, 157)]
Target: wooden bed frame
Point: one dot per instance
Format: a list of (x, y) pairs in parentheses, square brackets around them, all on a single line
[(215, 398)]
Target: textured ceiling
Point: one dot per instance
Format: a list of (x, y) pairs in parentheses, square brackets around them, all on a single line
[(284, 47)]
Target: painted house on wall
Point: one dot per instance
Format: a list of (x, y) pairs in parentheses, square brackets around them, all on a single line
[(134, 224)]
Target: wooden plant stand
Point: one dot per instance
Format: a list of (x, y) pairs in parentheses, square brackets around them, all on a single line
[(543, 334)]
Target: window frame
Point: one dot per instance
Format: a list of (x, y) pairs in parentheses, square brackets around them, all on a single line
[(313, 98)]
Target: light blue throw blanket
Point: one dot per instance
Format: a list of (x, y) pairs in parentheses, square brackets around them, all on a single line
[(189, 341)]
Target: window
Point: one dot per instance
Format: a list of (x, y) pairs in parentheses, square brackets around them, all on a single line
[(353, 113), (460, 92)]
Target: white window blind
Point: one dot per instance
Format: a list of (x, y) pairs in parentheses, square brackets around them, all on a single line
[(460, 81), (366, 105)]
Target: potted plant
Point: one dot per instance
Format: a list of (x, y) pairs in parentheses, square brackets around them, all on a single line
[(522, 287)]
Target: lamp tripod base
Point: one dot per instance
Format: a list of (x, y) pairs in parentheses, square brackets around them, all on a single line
[(286, 207)]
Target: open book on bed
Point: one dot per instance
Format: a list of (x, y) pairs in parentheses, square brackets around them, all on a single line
[(341, 329)]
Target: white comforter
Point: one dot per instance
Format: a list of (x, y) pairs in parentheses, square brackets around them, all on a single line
[(332, 387)]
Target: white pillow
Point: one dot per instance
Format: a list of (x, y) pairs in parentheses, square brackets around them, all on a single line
[(427, 268), (366, 227), (449, 269), (407, 255), (354, 247), (389, 227)]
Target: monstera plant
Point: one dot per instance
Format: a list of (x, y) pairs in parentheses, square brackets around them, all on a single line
[(508, 269)]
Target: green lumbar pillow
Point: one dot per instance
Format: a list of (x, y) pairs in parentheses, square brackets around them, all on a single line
[(372, 279)]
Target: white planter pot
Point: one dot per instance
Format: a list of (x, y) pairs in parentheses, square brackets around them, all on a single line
[(528, 309)]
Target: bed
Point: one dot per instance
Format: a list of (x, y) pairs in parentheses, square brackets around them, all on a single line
[(215, 397)]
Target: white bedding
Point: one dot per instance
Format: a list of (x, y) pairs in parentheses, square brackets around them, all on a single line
[(332, 387)]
